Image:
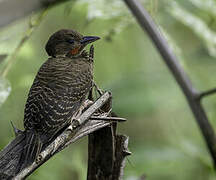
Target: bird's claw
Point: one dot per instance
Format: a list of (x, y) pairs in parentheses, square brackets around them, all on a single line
[(39, 159), (75, 120), (87, 103), (75, 123)]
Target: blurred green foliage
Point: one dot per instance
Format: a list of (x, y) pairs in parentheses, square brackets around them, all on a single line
[(165, 141)]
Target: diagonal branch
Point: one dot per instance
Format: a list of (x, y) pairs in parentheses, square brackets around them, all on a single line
[(147, 24), (9, 155), (69, 136)]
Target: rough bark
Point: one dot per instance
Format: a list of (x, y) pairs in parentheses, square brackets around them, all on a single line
[(9, 156), (107, 151)]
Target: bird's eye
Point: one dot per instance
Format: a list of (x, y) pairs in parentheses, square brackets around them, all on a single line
[(71, 41)]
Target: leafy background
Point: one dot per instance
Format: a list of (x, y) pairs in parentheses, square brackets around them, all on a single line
[(165, 140)]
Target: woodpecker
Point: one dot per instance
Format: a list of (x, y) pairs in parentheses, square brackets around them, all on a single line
[(58, 91)]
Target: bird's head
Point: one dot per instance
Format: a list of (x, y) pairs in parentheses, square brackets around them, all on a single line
[(66, 41)]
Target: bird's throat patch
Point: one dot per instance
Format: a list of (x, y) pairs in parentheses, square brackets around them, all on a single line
[(75, 51)]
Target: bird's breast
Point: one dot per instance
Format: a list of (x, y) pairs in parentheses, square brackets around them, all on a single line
[(66, 73)]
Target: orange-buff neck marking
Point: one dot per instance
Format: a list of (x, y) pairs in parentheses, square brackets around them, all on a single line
[(75, 51)]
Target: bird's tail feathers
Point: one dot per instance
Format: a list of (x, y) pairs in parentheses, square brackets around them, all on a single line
[(31, 149)]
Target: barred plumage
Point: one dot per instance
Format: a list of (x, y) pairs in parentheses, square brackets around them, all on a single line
[(58, 91)]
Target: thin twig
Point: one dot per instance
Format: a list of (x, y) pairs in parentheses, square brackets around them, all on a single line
[(27, 35), (206, 93), (147, 24), (112, 119)]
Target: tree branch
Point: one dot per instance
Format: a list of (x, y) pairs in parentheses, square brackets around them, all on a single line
[(11, 10), (9, 156), (206, 93), (147, 24)]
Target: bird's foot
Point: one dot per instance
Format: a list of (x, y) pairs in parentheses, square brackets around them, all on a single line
[(39, 159), (87, 103), (75, 120), (75, 123)]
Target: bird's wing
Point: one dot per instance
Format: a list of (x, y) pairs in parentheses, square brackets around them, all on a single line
[(56, 95)]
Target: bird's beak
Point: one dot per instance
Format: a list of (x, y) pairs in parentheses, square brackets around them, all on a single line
[(89, 39)]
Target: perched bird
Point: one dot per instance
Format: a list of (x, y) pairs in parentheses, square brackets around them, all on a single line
[(58, 91)]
